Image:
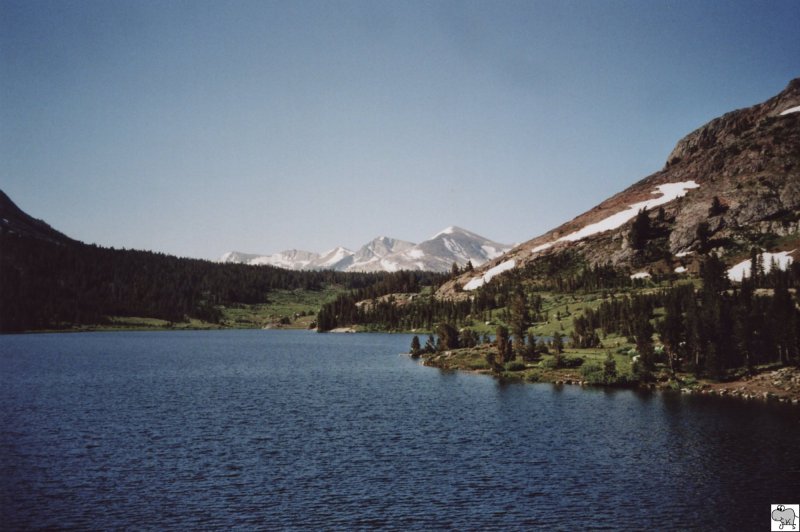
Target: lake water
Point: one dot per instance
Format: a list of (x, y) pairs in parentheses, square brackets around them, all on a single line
[(291, 429)]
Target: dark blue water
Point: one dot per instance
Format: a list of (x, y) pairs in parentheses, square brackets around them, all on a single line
[(276, 429)]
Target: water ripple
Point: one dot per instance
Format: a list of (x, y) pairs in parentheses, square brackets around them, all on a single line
[(296, 431)]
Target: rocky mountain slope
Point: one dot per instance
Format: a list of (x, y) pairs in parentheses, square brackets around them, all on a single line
[(452, 245), (728, 186)]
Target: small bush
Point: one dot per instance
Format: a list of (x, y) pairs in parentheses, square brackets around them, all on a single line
[(514, 366), (573, 362), (478, 364), (595, 373), (549, 363), (560, 361)]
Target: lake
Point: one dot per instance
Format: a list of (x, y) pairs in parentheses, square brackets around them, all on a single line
[(298, 430)]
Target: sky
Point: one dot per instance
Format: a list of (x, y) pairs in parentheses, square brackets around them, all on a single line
[(200, 127)]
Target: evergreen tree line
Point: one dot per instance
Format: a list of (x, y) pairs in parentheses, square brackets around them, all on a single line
[(718, 328), (427, 312), (48, 285), (424, 313), (709, 330), (567, 272), (616, 315)]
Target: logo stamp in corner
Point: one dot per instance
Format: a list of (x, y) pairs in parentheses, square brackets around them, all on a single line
[(784, 516)]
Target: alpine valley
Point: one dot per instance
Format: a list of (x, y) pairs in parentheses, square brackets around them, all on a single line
[(437, 254), (691, 273)]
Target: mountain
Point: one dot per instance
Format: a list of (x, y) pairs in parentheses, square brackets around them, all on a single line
[(291, 259), (375, 256), (452, 245), (14, 221), (338, 258), (731, 185)]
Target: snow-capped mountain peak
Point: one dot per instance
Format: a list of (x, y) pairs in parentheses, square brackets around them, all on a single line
[(451, 245), (334, 259), (455, 230)]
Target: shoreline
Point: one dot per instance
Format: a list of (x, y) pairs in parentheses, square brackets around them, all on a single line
[(780, 385), (775, 384)]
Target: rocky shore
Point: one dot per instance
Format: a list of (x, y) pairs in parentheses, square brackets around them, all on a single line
[(780, 385)]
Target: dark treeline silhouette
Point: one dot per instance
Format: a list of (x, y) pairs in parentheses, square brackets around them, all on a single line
[(49, 285), (386, 314)]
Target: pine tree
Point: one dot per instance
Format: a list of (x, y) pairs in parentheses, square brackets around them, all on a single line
[(520, 321), (609, 368), (757, 267), (502, 342), (744, 324), (782, 312), (530, 349), (643, 333), (702, 234), (415, 347), (454, 270), (671, 329), (468, 338), (558, 343), (716, 207), (640, 230), (448, 337), (430, 345), (714, 275)]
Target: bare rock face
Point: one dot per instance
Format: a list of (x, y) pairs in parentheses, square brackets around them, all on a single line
[(749, 160)]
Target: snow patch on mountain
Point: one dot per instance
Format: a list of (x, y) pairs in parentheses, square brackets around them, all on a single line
[(332, 259), (791, 110), (446, 231), (477, 282), (781, 260), (295, 259), (668, 191), (492, 252)]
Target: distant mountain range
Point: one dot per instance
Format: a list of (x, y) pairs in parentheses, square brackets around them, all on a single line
[(452, 245)]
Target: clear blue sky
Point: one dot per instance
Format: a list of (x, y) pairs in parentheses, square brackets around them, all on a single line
[(196, 128)]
